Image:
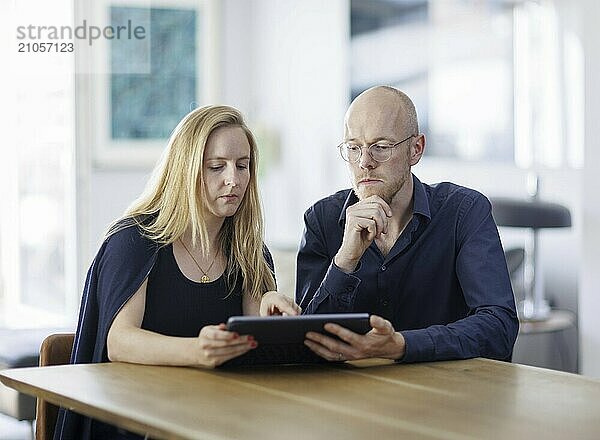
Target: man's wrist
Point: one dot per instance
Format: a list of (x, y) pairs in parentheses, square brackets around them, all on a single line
[(346, 265), (400, 344)]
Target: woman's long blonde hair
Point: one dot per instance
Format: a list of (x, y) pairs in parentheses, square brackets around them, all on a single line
[(174, 198)]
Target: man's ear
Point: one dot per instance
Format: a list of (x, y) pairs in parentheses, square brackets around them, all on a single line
[(417, 149)]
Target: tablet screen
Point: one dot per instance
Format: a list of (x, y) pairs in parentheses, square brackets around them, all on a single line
[(291, 329), (281, 338)]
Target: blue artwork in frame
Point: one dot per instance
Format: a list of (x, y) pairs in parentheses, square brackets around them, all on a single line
[(152, 85)]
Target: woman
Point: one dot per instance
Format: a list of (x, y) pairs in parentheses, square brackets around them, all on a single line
[(186, 255)]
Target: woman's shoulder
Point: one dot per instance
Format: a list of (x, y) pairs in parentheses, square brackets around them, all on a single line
[(268, 257), (126, 239)]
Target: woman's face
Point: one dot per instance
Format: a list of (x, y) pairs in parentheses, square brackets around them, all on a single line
[(226, 170)]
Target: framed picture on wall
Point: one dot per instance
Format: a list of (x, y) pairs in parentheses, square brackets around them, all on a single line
[(159, 65)]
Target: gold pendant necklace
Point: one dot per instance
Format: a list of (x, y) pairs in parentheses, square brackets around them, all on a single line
[(204, 278)]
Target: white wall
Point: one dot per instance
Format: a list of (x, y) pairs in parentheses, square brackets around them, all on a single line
[(299, 90), (589, 292), (112, 192)]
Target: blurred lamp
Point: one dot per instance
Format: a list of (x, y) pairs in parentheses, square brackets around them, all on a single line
[(535, 215)]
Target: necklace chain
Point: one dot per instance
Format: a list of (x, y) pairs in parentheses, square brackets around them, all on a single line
[(205, 278)]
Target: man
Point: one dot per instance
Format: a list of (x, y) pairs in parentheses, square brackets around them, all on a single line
[(425, 261)]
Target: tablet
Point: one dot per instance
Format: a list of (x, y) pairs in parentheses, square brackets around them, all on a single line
[(281, 338)]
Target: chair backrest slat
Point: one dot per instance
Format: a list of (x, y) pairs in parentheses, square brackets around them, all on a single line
[(55, 350)]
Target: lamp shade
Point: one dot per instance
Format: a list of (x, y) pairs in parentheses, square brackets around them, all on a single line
[(535, 214)]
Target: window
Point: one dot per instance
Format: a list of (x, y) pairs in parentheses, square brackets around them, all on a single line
[(453, 58), (493, 80), (37, 225)]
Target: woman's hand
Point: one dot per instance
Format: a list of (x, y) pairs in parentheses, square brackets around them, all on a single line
[(216, 345), (275, 303)]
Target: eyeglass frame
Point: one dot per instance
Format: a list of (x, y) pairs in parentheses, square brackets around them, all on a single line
[(391, 146)]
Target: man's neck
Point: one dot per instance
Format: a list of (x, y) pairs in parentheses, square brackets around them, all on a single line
[(402, 205)]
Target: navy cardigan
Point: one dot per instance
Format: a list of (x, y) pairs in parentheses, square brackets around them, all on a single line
[(120, 267)]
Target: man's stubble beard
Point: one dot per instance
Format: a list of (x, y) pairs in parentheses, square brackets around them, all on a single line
[(388, 191)]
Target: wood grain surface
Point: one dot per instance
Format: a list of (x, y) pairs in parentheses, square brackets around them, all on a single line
[(373, 399)]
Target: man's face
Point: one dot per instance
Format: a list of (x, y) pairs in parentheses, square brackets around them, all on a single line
[(371, 123)]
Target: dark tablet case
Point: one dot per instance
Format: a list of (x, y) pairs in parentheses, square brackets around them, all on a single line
[(281, 338)]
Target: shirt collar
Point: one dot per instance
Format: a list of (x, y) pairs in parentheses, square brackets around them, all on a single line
[(420, 201)]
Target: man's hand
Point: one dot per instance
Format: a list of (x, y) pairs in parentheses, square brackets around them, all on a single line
[(365, 221), (275, 303), (382, 341)]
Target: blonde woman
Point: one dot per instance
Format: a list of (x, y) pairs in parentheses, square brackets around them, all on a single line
[(185, 256)]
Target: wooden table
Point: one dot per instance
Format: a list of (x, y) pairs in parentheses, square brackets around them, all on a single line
[(368, 400)]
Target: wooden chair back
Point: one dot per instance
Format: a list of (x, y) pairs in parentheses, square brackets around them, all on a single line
[(55, 350)]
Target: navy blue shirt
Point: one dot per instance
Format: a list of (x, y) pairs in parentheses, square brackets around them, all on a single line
[(444, 284)]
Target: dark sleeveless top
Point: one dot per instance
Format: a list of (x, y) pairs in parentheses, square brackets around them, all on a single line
[(178, 306)]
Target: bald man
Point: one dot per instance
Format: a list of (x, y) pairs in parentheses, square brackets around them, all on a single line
[(424, 260)]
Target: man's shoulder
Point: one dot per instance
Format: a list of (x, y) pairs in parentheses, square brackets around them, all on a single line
[(448, 195), (449, 190)]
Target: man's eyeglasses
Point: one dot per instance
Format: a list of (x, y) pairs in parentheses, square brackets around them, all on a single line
[(379, 151)]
